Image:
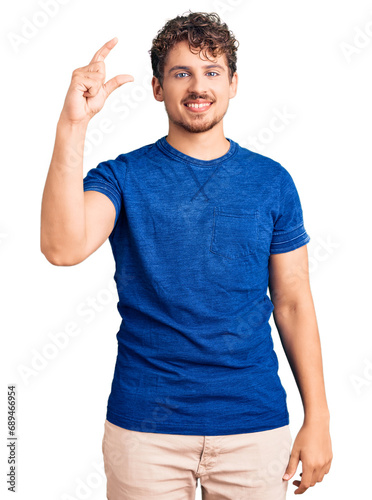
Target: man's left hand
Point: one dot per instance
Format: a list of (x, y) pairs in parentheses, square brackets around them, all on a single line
[(313, 447)]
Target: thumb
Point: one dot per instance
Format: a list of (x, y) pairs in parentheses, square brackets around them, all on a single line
[(292, 466), (116, 82)]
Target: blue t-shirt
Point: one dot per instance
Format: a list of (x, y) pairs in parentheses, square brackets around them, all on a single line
[(191, 244)]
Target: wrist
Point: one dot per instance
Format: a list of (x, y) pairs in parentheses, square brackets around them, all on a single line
[(66, 123), (317, 417)]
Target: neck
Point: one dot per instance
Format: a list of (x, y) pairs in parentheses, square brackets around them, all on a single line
[(203, 146)]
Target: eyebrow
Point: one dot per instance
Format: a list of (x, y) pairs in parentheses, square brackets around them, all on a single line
[(208, 66)]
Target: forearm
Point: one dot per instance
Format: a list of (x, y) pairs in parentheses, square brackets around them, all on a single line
[(299, 335), (62, 210)]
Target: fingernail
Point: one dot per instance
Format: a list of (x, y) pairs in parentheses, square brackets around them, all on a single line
[(286, 476)]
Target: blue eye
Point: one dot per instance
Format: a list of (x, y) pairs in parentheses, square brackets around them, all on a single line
[(184, 73)]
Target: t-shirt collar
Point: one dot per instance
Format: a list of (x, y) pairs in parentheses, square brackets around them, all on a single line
[(175, 154)]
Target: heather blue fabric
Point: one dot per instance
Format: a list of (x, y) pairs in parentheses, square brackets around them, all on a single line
[(191, 243)]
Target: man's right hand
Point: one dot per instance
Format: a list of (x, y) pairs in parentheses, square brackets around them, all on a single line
[(88, 92)]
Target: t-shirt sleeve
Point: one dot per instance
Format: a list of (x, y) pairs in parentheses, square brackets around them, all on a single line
[(289, 231), (108, 178)]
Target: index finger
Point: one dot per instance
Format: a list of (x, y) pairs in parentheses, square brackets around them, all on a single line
[(104, 50)]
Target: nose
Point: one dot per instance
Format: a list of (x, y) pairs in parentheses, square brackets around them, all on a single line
[(197, 85)]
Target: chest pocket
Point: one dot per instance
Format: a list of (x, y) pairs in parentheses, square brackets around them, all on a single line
[(235, 232)]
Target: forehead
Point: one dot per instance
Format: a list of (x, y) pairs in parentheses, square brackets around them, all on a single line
[(180, 53)]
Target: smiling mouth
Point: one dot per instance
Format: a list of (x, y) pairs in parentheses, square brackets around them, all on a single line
[(198, 107)]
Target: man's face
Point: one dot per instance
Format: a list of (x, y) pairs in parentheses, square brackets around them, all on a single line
[(189, 78)]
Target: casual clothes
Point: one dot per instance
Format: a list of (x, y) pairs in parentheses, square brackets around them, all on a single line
[(191, 243)]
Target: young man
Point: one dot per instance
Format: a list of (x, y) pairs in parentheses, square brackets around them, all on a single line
[(200, 227)]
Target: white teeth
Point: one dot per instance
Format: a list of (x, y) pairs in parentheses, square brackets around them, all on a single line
[(203, 105)]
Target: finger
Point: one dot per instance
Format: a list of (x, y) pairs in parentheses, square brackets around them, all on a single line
[(305, 482), (292, 465), (96, 67), (92, 87), (322, 473), (116, 82), (101, 54)]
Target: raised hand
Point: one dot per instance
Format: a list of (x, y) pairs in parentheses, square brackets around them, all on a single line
[(88, 92)]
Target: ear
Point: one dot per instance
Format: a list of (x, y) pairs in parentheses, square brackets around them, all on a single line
[(233, 85), (157, 90)]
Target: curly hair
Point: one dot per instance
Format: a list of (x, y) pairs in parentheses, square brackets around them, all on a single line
[(203, 31)]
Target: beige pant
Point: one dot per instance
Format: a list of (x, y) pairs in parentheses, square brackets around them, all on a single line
[(147, 465)]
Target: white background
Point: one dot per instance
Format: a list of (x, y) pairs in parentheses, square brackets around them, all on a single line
[(308, 60)]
